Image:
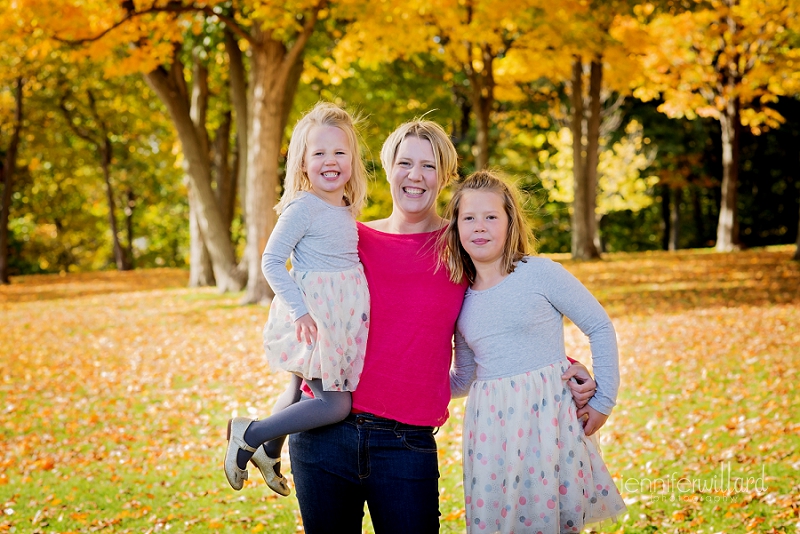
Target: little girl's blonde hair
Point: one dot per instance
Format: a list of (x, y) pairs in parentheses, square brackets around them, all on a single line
[(518, 237), (324, 114)]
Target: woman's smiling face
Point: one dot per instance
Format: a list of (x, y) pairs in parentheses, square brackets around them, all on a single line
[(413, 180)]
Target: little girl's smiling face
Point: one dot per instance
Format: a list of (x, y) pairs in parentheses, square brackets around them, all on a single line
[(328, 163), (483, 226)]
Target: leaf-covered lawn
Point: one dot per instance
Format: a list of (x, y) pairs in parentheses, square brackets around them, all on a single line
[(115, 389)]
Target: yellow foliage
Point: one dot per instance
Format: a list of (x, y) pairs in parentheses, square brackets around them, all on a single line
[(690, 56), (621, 185)]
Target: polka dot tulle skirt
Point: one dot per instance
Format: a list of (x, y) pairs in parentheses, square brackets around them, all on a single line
[(528, 467), (339, 304)]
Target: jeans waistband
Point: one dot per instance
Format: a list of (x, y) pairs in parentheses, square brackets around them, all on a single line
[(374, 421)]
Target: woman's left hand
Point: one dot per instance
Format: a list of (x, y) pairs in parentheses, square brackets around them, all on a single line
[(583, 387)]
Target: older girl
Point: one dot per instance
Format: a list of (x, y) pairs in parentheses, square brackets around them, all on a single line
[(528, 465)]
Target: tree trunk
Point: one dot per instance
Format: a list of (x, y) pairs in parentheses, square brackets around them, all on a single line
[(699, 223), (593, 156), (224, 177), (170, 86), (482, 91), (105, 162), (238, 88), (674, 219), (665, 216), (728, 225), (582, 206), (797, 241), (130, 203), (8, 168), (275, 74), (201, 272)]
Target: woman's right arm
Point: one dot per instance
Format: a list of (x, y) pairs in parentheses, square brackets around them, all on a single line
[(462, 375), (292, 225)]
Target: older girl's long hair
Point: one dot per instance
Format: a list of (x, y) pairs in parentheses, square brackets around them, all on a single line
[(324, 114), (452, 255)]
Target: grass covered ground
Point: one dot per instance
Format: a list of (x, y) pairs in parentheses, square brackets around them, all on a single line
[(115, 389)]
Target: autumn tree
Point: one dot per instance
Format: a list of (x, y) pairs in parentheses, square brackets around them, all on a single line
[(725, 59), (93, 128), (274, 35), (20, 59), (480, 44)]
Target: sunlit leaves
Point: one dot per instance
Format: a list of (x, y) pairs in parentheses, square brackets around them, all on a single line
[(620, 180), (115, 389)]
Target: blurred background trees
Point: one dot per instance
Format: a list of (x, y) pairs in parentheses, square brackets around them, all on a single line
[(153, 133)]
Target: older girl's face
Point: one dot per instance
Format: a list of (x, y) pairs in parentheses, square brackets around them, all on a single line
[(413, 179)]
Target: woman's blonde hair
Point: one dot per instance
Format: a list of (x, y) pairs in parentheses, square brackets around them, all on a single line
[(443, 150), (518, 237), (324, 114)]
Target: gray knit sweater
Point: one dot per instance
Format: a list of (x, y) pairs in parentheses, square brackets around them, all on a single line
[(317, 236), (518, 326)]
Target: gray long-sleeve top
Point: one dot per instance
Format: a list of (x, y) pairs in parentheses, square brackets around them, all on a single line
[(317, 236), (518, 326)]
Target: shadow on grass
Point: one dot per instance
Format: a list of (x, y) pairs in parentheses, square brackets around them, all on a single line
[(57, 286), (662, 282)]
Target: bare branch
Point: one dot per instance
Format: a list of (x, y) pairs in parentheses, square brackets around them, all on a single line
[(80, 132)]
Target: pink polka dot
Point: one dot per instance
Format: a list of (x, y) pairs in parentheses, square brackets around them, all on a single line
[(468, 500), (520, 433), (494, 476), (479, 503), (528, 522), (555, 421), (536, 498), (599, 487), (504, 512), (504, 446), (523, 500), (551, 504), (562, 489), (578, 508), (483, 436)]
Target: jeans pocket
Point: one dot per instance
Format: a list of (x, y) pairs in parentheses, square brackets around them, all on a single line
[(418, 440)]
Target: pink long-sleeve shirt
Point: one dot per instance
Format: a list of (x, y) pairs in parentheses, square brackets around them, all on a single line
[(412, 319)]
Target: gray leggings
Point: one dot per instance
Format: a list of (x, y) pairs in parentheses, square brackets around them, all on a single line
[(290, 416)]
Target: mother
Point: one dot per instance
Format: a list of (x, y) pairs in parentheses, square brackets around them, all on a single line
[(384, 452)]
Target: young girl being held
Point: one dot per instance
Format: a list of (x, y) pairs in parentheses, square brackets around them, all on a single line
[(528, 464), (318, 321)]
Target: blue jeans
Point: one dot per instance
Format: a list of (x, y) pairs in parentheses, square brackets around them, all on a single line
[(389, 465)]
